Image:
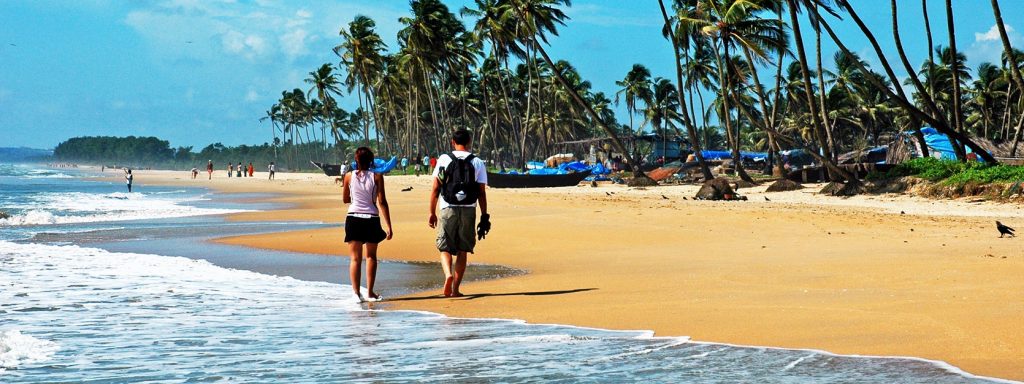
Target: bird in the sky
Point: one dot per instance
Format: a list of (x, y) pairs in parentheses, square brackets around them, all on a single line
[(1004, 230)]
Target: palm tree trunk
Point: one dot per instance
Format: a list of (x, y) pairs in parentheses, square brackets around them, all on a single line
[(726, 92), (898, 96), (691, 131), (916, 128), (958, 123), (637, 172), (1014, 70), (805, 72), (766, 118), (830, 143)]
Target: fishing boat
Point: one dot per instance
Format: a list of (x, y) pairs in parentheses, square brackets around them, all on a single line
[(333, 170), (504, 180)]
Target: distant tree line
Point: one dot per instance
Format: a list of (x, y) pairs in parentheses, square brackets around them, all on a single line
[(150, 151)]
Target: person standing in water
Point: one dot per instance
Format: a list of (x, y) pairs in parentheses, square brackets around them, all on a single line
[(363, 191), (128, 178)]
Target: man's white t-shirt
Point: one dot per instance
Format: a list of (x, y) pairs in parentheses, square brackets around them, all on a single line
[(479, 168)]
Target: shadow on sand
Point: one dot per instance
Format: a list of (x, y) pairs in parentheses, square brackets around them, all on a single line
[(481, 295)]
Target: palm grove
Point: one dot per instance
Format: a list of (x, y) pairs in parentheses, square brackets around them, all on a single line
[(496, 78)]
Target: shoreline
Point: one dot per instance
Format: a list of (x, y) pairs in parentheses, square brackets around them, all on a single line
[(730, 298)]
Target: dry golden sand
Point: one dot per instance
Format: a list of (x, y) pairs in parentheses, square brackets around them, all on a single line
[(850, 276)]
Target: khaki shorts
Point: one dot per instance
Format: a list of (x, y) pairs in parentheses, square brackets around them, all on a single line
[(457, 230)]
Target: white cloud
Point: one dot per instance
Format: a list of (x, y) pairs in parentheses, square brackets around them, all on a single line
[(992, 34), (294, 43), (988, 46), (252, 96)]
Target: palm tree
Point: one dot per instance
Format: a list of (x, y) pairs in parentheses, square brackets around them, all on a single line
[(636, 86), (360, 53), (677, 39), (1011, 55), (736, 23), (896, 93), (537, 19), (326, 85)]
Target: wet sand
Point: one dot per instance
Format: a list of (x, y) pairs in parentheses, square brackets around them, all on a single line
[(850, 276)]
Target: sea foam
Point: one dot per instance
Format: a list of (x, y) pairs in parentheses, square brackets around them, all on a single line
[(78, 207), (17, 349)]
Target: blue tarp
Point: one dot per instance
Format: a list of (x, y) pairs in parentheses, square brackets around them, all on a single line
[(723, 155), (547, 171), (939, 143), (600, 169), (576, 166), (379, 165)]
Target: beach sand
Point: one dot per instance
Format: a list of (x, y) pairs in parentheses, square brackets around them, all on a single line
[(849, 276)]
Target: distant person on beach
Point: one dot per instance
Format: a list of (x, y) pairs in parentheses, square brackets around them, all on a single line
[(270, 168), (251, 169), (195, 173), (128, 178), (231, 169), (405, 163), (363, 191), (426, 164), (209, 170), (239, 170), (460, 180)]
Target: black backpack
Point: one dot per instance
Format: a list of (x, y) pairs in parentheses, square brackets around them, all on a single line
[(458, 181)]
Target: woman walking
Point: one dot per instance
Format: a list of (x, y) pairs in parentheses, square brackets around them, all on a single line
[(363, 191)]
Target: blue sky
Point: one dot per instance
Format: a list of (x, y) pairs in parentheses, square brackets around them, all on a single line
[(201, 71)]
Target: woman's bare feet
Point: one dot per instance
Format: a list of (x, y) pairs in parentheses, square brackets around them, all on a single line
[(373, 296), (448, 286), (456, 294)]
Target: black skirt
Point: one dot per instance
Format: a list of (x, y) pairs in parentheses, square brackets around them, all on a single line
[(366, 230)]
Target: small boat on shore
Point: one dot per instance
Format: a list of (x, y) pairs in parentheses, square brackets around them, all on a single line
[(504, 180), (333, 170)]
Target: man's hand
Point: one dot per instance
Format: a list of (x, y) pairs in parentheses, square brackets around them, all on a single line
[(483, 227), (432, 222)]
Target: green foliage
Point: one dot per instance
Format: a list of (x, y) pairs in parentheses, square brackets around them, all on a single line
[(145, 152), (952, 172)]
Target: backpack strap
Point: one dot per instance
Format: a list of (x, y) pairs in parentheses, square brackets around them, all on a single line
[(470, 157)]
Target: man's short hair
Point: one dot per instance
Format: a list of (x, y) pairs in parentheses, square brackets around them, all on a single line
[(462, 137)]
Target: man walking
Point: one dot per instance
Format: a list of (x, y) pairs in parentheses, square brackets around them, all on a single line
[(460, 180)]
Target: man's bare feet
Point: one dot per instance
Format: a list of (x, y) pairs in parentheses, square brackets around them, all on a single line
[(456, 294), (448, 286), (373, 296)]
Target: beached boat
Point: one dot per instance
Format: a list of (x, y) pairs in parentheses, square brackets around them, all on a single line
[(500, 180), (329, 169)]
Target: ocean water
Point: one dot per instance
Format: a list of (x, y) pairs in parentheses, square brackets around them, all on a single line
[(96, 291)]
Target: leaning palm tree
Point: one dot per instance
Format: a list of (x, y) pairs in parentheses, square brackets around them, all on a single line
[(360, 53), (736, 24), (678, 39), (896, 94), (1011, 56), (537, 19)]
